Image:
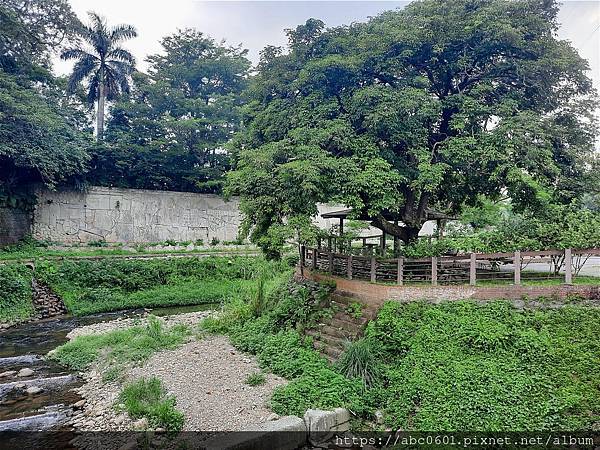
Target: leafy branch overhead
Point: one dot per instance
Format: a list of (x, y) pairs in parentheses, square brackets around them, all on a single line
[(424, 109)]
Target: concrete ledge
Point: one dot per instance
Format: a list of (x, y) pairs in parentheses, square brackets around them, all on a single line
[(289, 432)]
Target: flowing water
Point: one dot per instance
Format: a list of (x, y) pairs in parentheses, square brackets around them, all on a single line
[(24, 346)]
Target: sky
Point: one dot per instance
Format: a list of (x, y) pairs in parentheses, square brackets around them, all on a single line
[(256, 24)]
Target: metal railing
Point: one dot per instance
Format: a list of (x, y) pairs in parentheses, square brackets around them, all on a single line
[(473, 268)]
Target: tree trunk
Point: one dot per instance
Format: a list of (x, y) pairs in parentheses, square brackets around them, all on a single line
[(100, 112), (407, 233)]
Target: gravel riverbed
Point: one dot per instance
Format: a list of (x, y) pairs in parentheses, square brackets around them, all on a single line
[(206, 376)]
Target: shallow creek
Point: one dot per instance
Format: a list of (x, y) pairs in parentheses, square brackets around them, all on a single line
[(43, 400)]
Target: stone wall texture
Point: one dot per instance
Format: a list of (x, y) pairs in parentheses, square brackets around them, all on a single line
[(133, 216), (14, 225)]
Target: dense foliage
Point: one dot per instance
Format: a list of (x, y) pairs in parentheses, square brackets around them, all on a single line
[(15, 293), (111, 284), (463, 366), (171, 131), (417, 110), (558, 227), (43, 131)]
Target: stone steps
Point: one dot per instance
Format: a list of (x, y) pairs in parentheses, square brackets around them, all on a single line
[(331, 336)]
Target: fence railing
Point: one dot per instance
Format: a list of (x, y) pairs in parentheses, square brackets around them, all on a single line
[(473, 268)]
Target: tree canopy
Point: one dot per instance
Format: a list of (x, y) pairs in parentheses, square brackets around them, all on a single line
[(171, 131), (430, 108), (43, 131)]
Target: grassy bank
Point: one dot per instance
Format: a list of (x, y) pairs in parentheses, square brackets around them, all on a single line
[(92, 286), (453, 366), (117, 349), (15, 293)]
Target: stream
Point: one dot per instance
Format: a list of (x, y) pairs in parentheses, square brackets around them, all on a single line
[(43, 400)]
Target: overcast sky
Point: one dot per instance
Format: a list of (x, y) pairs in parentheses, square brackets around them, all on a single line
[(256, 24)]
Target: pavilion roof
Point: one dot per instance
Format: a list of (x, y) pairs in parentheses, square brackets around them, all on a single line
[(430, 214)]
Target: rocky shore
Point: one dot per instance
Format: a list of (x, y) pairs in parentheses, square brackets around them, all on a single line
[(206, 376)]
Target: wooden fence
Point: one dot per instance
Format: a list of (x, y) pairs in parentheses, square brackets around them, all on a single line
[(473, 268)]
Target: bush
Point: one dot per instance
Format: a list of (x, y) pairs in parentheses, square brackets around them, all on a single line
[(148, 398), (288, 355), (15, 293), (319, 388)]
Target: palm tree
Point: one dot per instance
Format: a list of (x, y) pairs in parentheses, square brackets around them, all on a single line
[(101, 64)]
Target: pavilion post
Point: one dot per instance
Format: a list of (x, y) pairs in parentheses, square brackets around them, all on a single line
[(517, 266), (400, 274), (319, 243), (373, 269), (329, 248), (330, 262), (568, 266), (434, 274), (383, 243), (315, 252), (349, 267), (473, 270), (364, 249)]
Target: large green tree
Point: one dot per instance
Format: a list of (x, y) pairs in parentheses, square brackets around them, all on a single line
[(42, 130), (425, 109), (171, 131), (102, 64)]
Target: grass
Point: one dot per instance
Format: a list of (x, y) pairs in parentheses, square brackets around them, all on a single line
[(147, 398), (117, 349), (190, 293), (15, 293), (256, 379)]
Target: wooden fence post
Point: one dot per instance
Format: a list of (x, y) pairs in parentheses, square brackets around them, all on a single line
[(349, 267), (434, 277), (314, 258), (473, 270), (330, 262), (517, 264), (373, 269), (568, 266), (400, 275)]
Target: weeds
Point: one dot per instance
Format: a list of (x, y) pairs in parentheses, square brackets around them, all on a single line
[(360, 360), (256, 379), (148, 398)]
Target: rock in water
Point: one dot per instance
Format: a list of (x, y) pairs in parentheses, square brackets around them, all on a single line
[(8, 373), (33, 390), (25, 372)]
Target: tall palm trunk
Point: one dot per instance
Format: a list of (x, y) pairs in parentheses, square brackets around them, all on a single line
[(100, 113)]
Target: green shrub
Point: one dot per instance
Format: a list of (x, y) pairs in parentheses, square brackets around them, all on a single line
[(15, 293), (319, 388), (288, 355), (148, 398), (256, 379), (360, 360)]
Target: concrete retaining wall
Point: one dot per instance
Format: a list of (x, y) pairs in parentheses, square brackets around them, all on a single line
[(132, 215), (14, 225)]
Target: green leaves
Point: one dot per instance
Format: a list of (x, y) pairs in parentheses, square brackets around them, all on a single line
[(424, 108)]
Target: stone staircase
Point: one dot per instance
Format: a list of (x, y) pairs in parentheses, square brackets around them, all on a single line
[(347, 324)]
